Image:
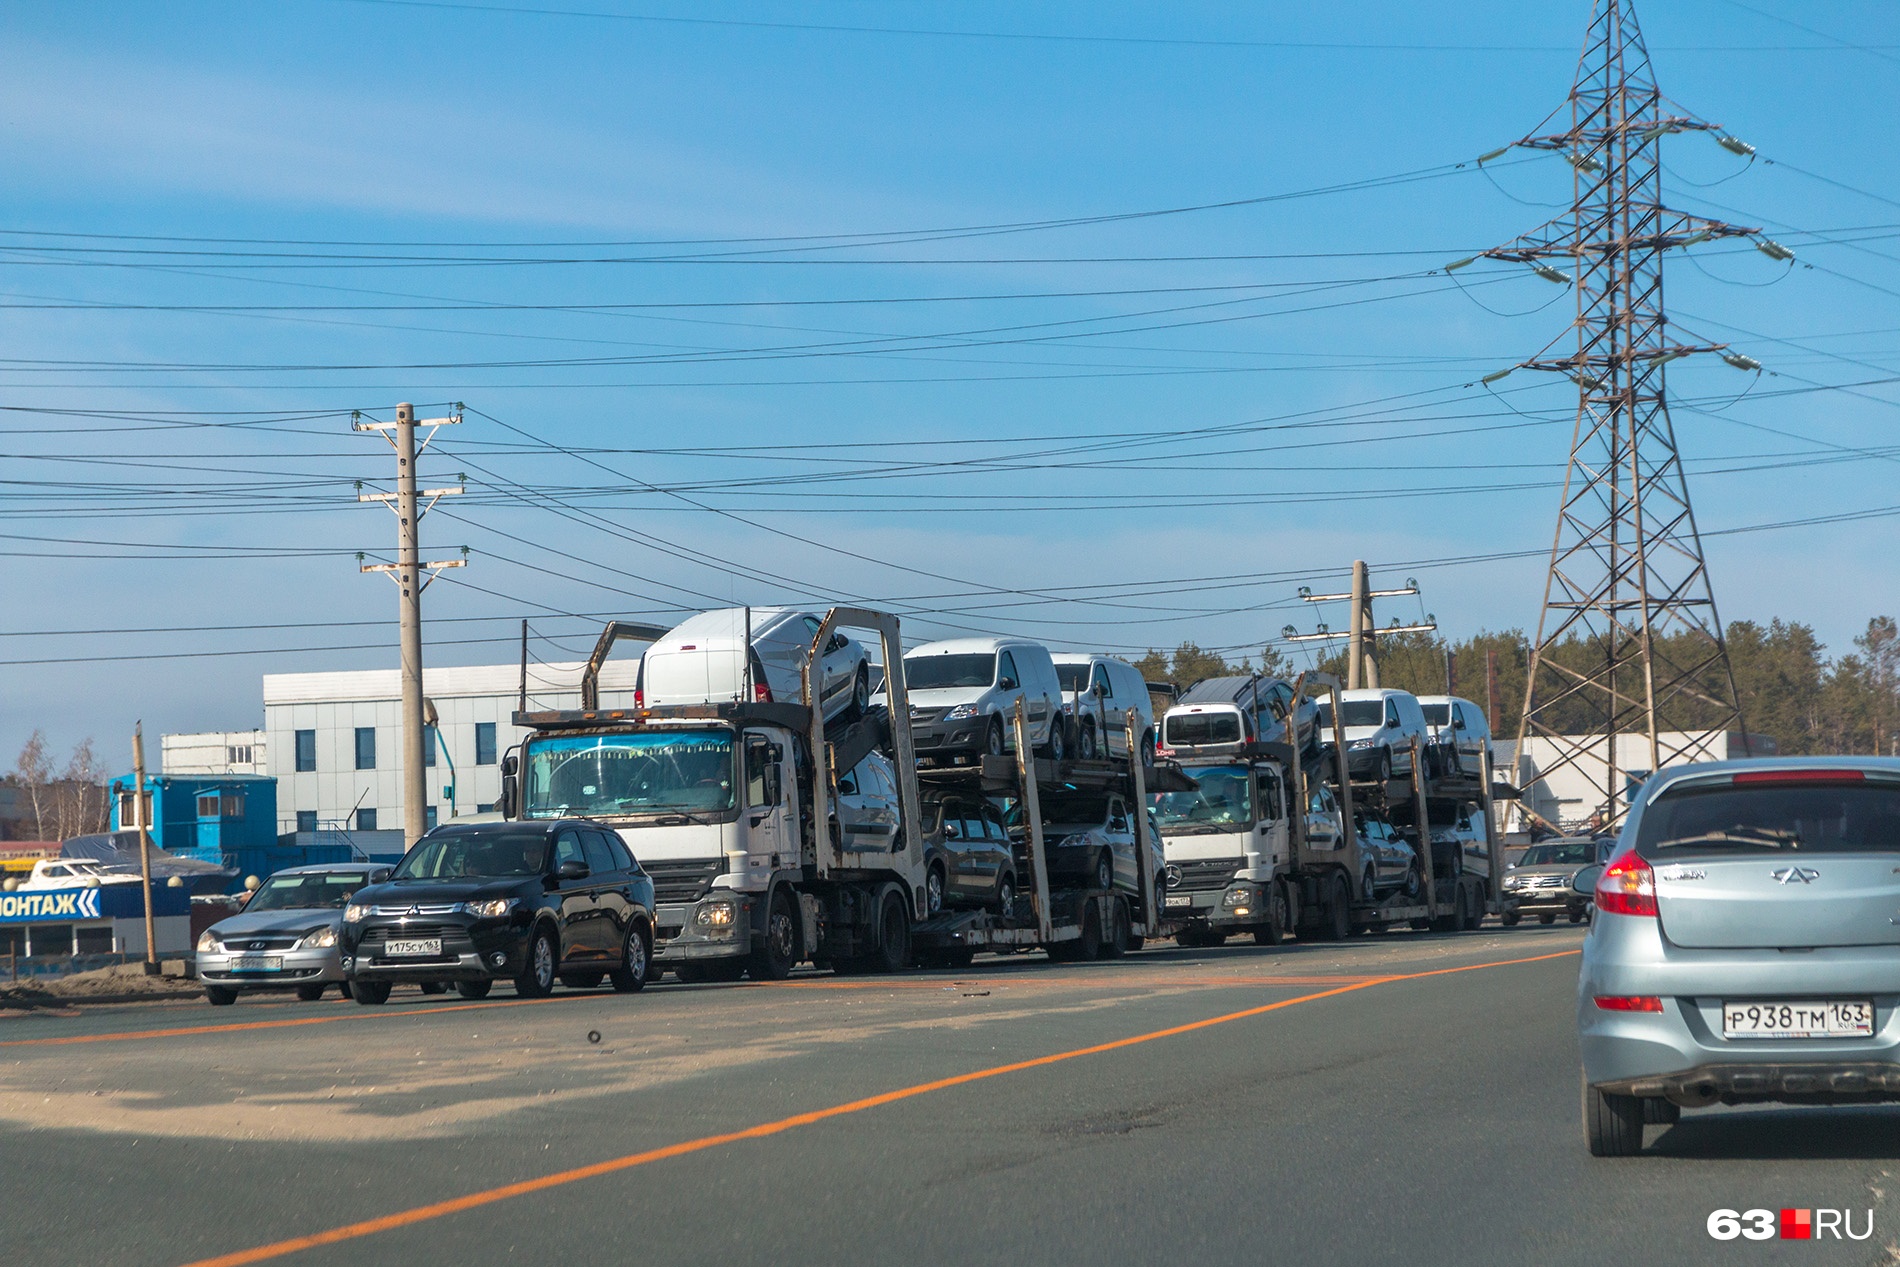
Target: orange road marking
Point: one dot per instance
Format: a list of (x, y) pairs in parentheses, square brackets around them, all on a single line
[(475, 1200)]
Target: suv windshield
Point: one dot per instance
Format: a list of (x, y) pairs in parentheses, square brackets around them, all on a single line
[(328, 891), (1357, 712), (1225, 798), (1839, 812), (655, 772), (933, 672), (1562, 853), (467, 854)]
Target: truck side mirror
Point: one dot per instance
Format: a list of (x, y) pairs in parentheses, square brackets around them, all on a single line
[(772, 788), (510, 785)]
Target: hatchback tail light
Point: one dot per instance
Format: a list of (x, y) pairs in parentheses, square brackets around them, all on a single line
[(1627, 887), (1629, 1002)]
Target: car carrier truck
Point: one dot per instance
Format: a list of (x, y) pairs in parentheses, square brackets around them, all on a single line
[(729, 807)]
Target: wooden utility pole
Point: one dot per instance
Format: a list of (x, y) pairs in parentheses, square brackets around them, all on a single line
[(145, 845), (1363, 634), (407, 573)]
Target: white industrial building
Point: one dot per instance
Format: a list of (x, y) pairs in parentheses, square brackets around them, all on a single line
[(335, 739), (1571, 795), (214, 752)]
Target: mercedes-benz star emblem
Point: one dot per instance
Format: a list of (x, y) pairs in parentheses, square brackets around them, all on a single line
[(1174, 875), (1796, 875)]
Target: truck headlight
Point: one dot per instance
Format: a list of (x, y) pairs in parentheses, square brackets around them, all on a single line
[(207, 942), (493, 908), (962, 712), (322, 939), (1237, 897), (715, 915), (354, 914)]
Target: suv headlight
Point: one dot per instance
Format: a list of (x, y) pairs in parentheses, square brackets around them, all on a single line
[(962, 712), (715, 915), (208, 942), (354, 914), (322, 939), (493, 908)]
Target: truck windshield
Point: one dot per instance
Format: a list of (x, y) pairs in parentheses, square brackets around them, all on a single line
[(1820, 812), (1357, 712), (934, 672), (655, 772), (1224, 799)]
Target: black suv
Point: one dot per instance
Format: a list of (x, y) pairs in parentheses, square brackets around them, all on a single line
[(526, 902)]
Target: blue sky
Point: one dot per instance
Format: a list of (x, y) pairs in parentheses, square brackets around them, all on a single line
[(629, 245)]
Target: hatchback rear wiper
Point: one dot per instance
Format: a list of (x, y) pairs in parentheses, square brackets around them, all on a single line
[(1760, 837)]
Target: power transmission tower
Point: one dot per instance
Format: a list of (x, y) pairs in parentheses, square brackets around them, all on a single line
[(407, 573), (1628, 639)]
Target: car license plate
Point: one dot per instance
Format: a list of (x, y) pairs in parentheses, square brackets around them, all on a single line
[(257, 963), (414, 946), (1799, 1018), (1178, 899)]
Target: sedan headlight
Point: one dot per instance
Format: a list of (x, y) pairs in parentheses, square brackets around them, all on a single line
[(715, 915), (322, 939), (962, 712), (493, 908), (354, 914), (207, 942)]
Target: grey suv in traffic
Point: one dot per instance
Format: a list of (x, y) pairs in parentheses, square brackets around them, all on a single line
[(1744, 945)]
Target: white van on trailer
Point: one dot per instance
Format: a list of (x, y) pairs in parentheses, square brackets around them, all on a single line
[(1097, 692), (729, 806), (703, 660)]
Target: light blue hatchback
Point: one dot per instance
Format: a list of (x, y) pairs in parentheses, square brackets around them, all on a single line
[(1746, 945)]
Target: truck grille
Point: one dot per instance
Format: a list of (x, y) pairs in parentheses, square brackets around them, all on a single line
[(1203, 875), (686, 881)]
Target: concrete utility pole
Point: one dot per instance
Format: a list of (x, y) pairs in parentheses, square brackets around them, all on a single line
[(407, 573), (1362, 661), (145, 844)]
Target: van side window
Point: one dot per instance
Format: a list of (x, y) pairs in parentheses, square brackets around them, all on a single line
[(1006, 668), (1099, 678), (1391, 712)]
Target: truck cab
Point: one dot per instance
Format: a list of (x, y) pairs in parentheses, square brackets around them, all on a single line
[(1228, 845)]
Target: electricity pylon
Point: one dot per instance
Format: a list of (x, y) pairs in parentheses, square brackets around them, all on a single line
[(1629, 640)]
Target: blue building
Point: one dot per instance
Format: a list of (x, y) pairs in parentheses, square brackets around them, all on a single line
[(211, 817)]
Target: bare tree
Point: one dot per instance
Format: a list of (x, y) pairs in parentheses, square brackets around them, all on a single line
[(80, 803), (35, 773)]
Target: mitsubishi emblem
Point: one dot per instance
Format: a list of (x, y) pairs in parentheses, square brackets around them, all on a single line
[(1796, 875), (417, 910)]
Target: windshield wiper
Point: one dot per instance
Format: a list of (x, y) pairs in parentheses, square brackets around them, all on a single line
[(674, 817), (1760, 837)]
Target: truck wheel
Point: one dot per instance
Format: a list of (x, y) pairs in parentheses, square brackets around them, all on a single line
[(1274, 930), (370, 993), (893, 936), (537, 970), (220, 996), (1509, 919), (1089, 945), (1612, 1124), (1336, 916), (434, 987), (775, 959), (474, 989), (1474, 909), (1118, 931)]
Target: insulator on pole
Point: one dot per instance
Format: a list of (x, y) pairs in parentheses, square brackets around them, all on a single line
[(1773, 249), (1500, 152), (1550, 274), (1455, 265), (1735, 145), (1741, 362), (1495, 375), (1584, 163), (1663, 358), (1589, 382)]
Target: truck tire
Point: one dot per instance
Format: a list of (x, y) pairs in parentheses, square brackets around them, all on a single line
[(777, 954), (1509, 919), (1612, 1124), (1273, 931), (1335, 915), (893, 936), (1089, 945), (1474, 908), (1119, 925)]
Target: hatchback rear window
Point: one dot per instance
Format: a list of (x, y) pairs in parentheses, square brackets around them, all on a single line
[(1793, 813), (1191, 729)]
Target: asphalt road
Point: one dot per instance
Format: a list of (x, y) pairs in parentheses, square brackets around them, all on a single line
[(1406, 1097)]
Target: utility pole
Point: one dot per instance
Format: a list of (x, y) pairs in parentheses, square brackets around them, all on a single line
[(145, 845), (1363, 633), (407, 573), (1628, 639), (1491, 687)]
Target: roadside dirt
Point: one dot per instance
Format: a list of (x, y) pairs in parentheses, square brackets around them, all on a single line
[(121, 983)]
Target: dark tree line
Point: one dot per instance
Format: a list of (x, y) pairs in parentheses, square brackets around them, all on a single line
[(1790, 689)]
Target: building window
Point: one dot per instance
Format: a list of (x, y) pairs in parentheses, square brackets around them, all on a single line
[(233, 805), (366, 820), (92, 941), (208, 805), (429, 741), (428, 818), (484, 743), (129, 811), (306, 820), (237, 755), (366, 747), (306, 751)]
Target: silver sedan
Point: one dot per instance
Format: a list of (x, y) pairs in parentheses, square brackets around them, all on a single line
[(1743, 945), (286, 936)]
